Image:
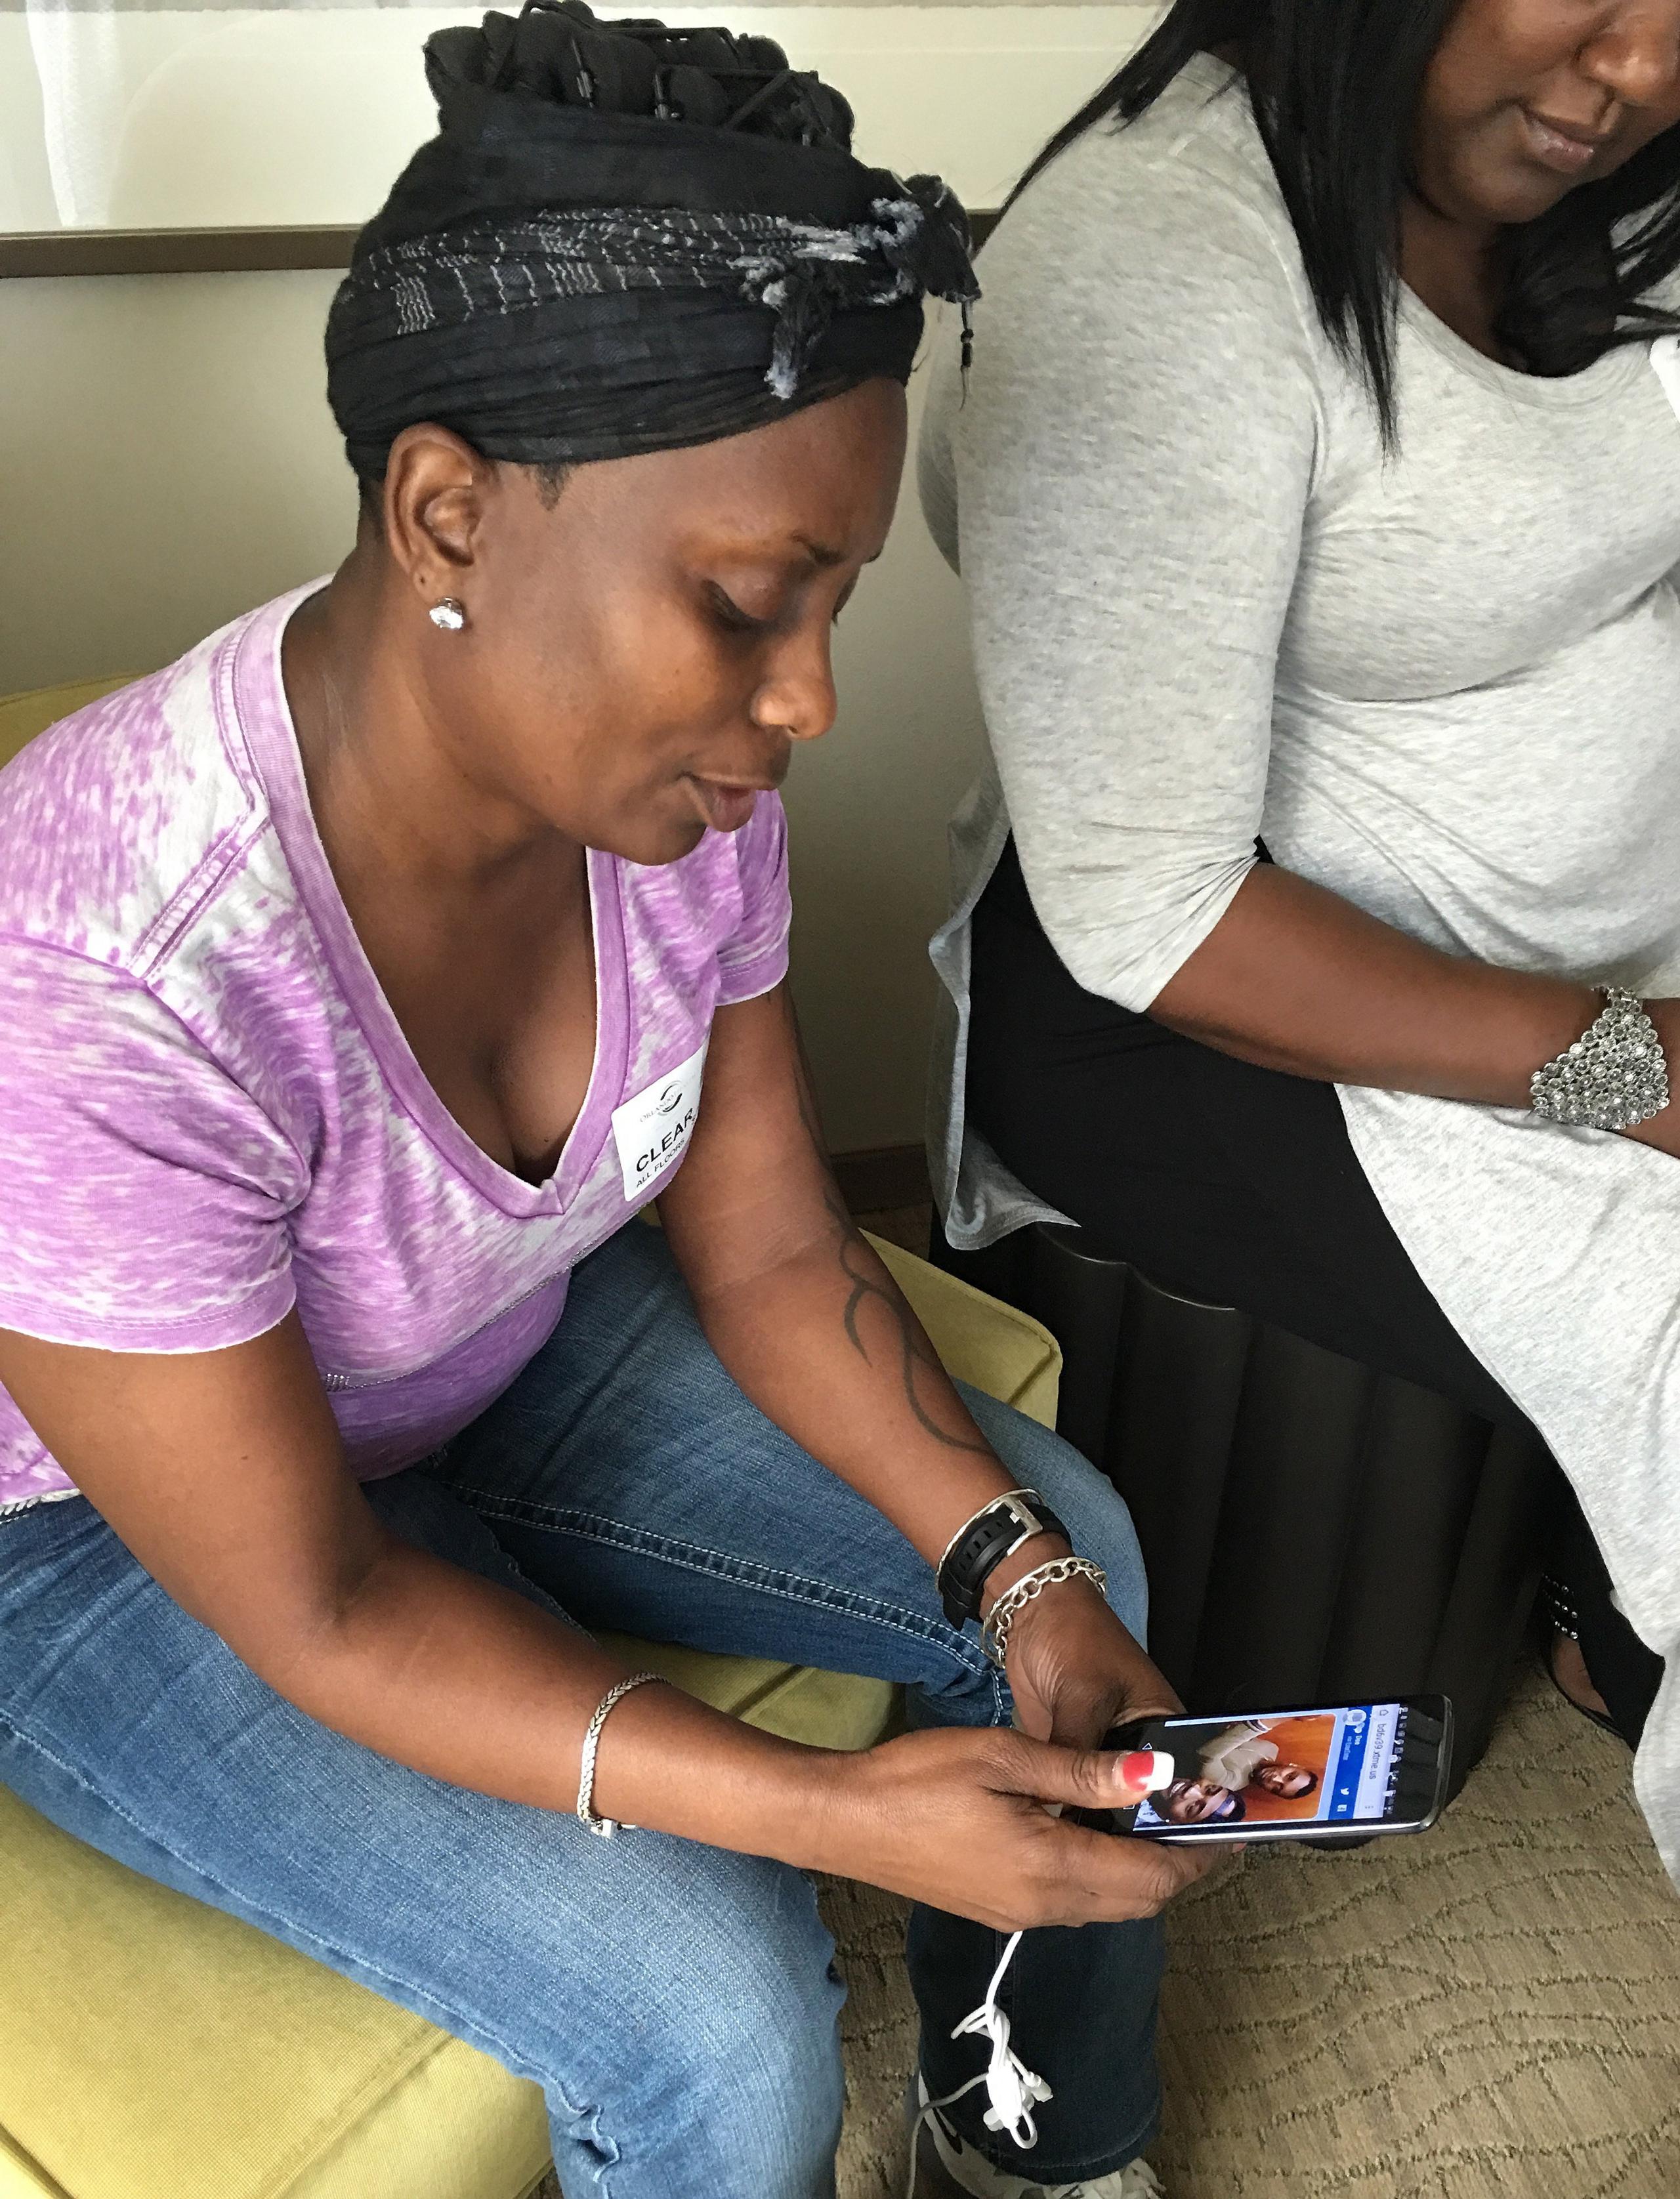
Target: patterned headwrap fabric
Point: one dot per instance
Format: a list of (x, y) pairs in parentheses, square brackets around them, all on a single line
[(558, 278)]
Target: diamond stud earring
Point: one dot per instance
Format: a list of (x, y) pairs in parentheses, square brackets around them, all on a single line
[(449, 616)]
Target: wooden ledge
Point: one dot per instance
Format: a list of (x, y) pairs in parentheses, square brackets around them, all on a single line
[(199, 250)]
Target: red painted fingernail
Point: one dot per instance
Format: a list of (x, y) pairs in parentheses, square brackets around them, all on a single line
[(1148, 1770)]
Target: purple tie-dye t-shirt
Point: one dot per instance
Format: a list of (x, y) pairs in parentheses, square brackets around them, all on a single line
[(208, 1113)]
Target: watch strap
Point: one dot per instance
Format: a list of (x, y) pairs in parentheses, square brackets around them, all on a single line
[(978, 1550)]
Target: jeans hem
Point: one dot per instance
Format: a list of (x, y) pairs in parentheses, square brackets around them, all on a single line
[(1027, 2162)]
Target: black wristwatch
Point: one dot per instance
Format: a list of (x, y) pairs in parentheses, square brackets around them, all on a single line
[(978, 1550)]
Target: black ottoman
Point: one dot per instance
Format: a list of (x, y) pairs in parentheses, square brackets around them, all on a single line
[(1314, 1531)]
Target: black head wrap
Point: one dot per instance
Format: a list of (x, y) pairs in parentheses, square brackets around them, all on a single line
[(625, 238)]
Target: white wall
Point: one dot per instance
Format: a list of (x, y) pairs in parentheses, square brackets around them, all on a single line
[(167, 460), (218, 114)]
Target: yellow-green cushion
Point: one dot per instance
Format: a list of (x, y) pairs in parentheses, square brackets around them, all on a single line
[(23, 716), (152, 2049)]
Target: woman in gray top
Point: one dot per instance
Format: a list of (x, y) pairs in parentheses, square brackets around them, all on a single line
[(1316, 484)]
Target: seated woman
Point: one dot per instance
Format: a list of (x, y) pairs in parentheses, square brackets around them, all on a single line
[(363, 975), (1317, 485)]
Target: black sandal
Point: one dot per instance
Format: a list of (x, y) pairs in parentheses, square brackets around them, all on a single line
[(1558, 1605)]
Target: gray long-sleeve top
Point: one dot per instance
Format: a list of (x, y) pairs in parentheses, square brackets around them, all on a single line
[(1445, 685)]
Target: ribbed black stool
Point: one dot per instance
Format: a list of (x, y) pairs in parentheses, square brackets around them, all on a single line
[(1314, 1531)]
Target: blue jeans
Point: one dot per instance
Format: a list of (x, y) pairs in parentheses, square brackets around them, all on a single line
[(677, 2003)]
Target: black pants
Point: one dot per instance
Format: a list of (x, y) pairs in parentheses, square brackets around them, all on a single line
[(1232, 1184)]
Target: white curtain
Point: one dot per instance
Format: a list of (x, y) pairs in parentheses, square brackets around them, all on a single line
[(83, 98), (104, 66)]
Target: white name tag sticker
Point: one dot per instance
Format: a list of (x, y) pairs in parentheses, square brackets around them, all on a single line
[(652, 1130)]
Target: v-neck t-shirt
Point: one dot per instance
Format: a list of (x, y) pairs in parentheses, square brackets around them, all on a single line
[(209, 1114)]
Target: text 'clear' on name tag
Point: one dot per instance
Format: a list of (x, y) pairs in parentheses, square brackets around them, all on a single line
[(652, 1130)]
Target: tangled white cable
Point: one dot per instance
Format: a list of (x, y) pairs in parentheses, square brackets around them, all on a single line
[(1013, 2090)]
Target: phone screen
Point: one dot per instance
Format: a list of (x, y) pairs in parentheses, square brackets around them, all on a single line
[(1362, 1766)]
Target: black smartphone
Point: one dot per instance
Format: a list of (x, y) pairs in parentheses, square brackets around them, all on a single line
[(1353, 1770)]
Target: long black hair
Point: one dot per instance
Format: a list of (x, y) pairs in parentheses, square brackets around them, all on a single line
[(1335, 86)]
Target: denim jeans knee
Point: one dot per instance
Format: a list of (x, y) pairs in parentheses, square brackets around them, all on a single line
[(730, 2082)]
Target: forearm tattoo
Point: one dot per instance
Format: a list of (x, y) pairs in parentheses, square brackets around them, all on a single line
[(920, 1363)]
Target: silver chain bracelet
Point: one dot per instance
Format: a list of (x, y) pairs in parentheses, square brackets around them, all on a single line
[(1614, 1077), (1014, 1601), (606, 1827)]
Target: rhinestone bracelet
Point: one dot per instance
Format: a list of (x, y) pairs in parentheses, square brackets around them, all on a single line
[(1013, 1600), (1615, 1076)]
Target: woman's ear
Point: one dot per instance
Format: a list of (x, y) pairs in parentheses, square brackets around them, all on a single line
[(436, 494)]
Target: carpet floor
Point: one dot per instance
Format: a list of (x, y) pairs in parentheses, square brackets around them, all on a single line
[(1490, 2011)]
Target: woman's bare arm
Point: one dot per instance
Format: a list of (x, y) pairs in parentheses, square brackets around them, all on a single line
[(1296, 978), (804, 1315), (795, 1302), (803, 1312), (222, 1472)]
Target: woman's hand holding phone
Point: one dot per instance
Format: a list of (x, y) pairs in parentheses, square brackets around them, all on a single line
[(958, 1818), (1074, 1671)]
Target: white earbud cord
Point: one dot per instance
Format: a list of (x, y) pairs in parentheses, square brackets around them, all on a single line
[(1013, 2090)]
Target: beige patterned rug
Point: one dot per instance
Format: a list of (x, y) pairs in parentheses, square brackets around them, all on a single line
[(1491, 2011)]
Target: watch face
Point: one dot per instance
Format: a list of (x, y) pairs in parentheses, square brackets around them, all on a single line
[(993, 1534)]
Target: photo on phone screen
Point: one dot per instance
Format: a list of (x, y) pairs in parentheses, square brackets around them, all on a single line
[(1365, 1766)]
